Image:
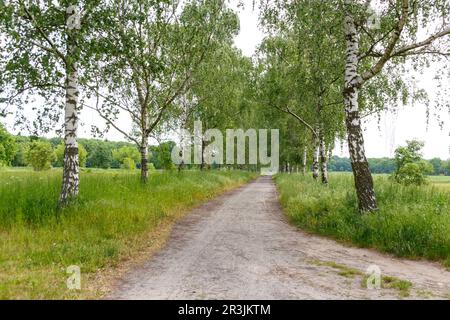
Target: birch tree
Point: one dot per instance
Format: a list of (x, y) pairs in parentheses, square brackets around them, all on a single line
[(367, 54), (41, 57), (150, 50)]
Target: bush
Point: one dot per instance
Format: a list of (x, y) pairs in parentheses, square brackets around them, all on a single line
[(410, 167), (128, 164), (413, 173), (40, 155), (127, 157)]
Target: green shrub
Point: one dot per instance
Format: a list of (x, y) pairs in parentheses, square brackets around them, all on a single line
[(413, 173), (40, 155), (100, 157), (410, 167), (128, 164), (127, 156)]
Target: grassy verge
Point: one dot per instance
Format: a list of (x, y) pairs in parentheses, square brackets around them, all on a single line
[(114, 219), (412, 221)]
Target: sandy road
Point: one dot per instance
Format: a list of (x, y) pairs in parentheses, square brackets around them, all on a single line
[(240, 246)]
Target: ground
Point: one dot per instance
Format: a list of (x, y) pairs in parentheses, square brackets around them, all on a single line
[(240, 246)]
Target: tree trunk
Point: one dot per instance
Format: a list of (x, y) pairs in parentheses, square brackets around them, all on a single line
[(70, 179), (181, 166), (304, 160), (202, 165), (315, 169), (144, 160), (323, 159), (361, 173)]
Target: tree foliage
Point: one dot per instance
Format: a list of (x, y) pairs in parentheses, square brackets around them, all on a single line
[(8, 147), (127, 156), (411, 168), (40, 155)]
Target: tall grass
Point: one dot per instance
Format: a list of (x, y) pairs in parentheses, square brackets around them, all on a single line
[(111, 220), (412, 221)]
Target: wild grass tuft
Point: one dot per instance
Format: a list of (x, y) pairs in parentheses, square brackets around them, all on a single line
[(403, 287), (342, 270)]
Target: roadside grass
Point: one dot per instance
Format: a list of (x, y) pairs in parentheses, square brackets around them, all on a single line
[(342, 270), (114, 219), (412, 222)]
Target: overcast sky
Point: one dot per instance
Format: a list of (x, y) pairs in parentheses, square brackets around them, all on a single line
[(381, 137)]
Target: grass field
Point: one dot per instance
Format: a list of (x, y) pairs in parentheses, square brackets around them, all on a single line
[(412, 221), (442, 182), (114, 219)]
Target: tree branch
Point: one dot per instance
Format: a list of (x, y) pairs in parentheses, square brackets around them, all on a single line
[(289, 111), (390, 46), (423, 43), (54, 48)]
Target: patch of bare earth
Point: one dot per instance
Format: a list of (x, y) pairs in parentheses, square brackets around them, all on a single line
[(240, 246)]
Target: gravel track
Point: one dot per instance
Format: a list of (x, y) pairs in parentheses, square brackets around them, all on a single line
[(240, 246)]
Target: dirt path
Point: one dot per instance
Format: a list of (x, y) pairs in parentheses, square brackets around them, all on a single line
[(240, 246)]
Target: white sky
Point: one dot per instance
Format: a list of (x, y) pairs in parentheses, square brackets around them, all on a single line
[(381, 139)]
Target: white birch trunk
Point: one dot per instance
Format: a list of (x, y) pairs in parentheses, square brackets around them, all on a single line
[(315, 167), (70, 181), (323, 160), (304, 160), (144, 159), (361, 173)]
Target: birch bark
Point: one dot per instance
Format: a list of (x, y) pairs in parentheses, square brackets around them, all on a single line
[(70, 180), (361, 173), (144, 159), (305, 154), (315, 168), (323, 159)]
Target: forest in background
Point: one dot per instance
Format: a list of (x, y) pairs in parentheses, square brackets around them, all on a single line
[(100, 154)]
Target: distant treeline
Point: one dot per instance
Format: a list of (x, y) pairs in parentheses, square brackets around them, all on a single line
[(100, 153), (107, 154), (385, 165)]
